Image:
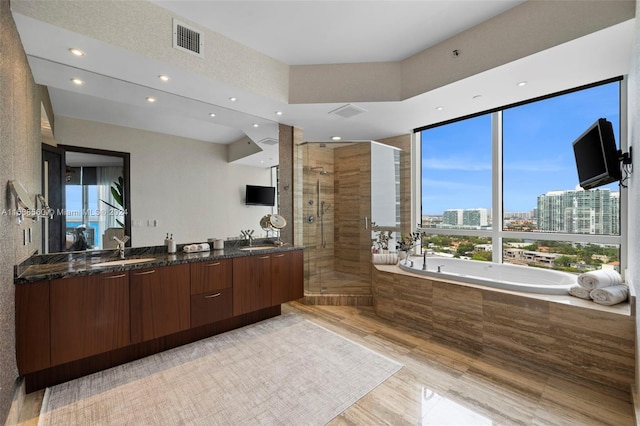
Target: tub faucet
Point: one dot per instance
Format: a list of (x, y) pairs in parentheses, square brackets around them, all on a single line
[(424, 261), (121, 243), (440, 266)]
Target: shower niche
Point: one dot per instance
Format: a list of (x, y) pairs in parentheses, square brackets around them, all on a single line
[(346, 187)]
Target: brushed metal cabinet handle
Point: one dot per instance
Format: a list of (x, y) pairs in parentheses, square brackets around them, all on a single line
[(278, 255), (113, 277), (213, 264), (264, 257), (211, 296), (145, 272)]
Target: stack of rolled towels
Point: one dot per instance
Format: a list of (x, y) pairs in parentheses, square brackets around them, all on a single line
[(384, 259), (603, 286), (193, 248)]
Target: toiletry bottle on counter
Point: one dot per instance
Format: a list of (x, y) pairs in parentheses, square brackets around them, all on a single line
[(166, 240), (171, 247)]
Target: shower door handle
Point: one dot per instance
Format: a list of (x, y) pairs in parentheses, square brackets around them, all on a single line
[(366, 222)]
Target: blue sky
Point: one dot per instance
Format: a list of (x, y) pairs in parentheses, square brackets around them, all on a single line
[(538, 152)]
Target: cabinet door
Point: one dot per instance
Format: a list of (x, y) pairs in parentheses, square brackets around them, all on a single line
[(287, 276), (160, 301), (251, 283), (211, 276), (89, 315), (32, 327)]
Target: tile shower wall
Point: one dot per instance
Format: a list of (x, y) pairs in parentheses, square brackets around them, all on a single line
[(20, 157)]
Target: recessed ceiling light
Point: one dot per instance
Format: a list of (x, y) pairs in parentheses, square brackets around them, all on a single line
[(255, 125), (77, 81), (336, 138), (440, 108), (151, 99), (212, 114), (278, 112), (522, 83), (233, 99), (164, 77), (76, 52)]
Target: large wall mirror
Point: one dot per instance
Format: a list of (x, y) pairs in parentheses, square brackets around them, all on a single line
[(91, 188)]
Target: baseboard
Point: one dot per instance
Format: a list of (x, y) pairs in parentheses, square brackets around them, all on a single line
[(19, 392)]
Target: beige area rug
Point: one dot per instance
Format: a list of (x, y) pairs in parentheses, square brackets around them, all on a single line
[(285, 371)]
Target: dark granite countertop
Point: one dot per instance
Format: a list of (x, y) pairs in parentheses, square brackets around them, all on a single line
[(73, 264)]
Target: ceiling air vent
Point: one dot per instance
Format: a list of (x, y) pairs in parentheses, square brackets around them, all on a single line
[(187, 39), (348, 111), (269, 141)]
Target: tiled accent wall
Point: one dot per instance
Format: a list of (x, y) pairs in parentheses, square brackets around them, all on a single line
[(568, 340), (353, 204), (20, 157), (285, 180), (318, 259)]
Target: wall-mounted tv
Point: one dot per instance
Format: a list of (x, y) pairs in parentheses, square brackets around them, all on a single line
[(597, 157), (260, 195)]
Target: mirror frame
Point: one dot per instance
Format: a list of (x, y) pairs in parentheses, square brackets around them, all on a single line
[(126, 157)]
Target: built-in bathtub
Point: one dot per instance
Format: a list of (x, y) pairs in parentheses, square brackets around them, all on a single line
[(505, 276)]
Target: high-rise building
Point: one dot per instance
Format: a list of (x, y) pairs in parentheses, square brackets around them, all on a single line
[(474, 217), (452, 217), (580, 212)]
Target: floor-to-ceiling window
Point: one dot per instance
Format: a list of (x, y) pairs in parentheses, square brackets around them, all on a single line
[(503, 186)]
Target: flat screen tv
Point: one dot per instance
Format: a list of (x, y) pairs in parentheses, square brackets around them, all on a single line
[(260, 195), (597, 157)]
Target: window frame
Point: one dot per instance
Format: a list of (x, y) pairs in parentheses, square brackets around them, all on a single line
[(497, 233)]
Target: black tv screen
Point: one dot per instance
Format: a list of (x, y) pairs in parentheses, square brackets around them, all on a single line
[(260, 195), (597, 158)]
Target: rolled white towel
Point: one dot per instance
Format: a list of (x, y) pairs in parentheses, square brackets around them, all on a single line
[(384, 259), (599, 279), (610, 295), (189, 248), (581, 292)]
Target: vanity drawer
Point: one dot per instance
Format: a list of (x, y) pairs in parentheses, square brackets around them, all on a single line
[(211, 306)]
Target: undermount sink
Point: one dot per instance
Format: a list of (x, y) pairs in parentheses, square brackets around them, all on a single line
[(122, 262), (256, 248)]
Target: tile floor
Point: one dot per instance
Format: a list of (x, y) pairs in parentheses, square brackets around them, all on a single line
[(442, 385)]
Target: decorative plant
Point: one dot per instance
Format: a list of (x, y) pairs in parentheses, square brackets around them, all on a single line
[(117, 192), (406, 243), (382, 236)]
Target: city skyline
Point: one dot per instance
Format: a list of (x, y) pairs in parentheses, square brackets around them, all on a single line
[(537, 152)]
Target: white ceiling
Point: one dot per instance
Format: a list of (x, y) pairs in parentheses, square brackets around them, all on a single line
[(310, 32)]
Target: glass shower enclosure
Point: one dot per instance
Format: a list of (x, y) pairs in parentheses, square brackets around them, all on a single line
[(347, 187)]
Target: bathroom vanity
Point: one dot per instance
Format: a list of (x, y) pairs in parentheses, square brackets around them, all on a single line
[(86, 314)]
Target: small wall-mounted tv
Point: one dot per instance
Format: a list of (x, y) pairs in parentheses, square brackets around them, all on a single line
[(260, 195), (597, 157)]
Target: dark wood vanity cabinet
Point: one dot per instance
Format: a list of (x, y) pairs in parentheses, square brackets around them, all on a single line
[(251, 283), (89, 315), (287, 277), (160, 301), (70, 327), (32, 327), (211, 291)]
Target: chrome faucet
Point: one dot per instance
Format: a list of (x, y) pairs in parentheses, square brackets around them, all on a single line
[(248, 235), (440, 266), (424, 261), (121, 243)]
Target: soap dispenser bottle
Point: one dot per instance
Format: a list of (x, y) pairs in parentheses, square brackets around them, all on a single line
[(166, 240), (172, 245)]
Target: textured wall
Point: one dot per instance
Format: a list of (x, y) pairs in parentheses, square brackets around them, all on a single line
[(19, 159)]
